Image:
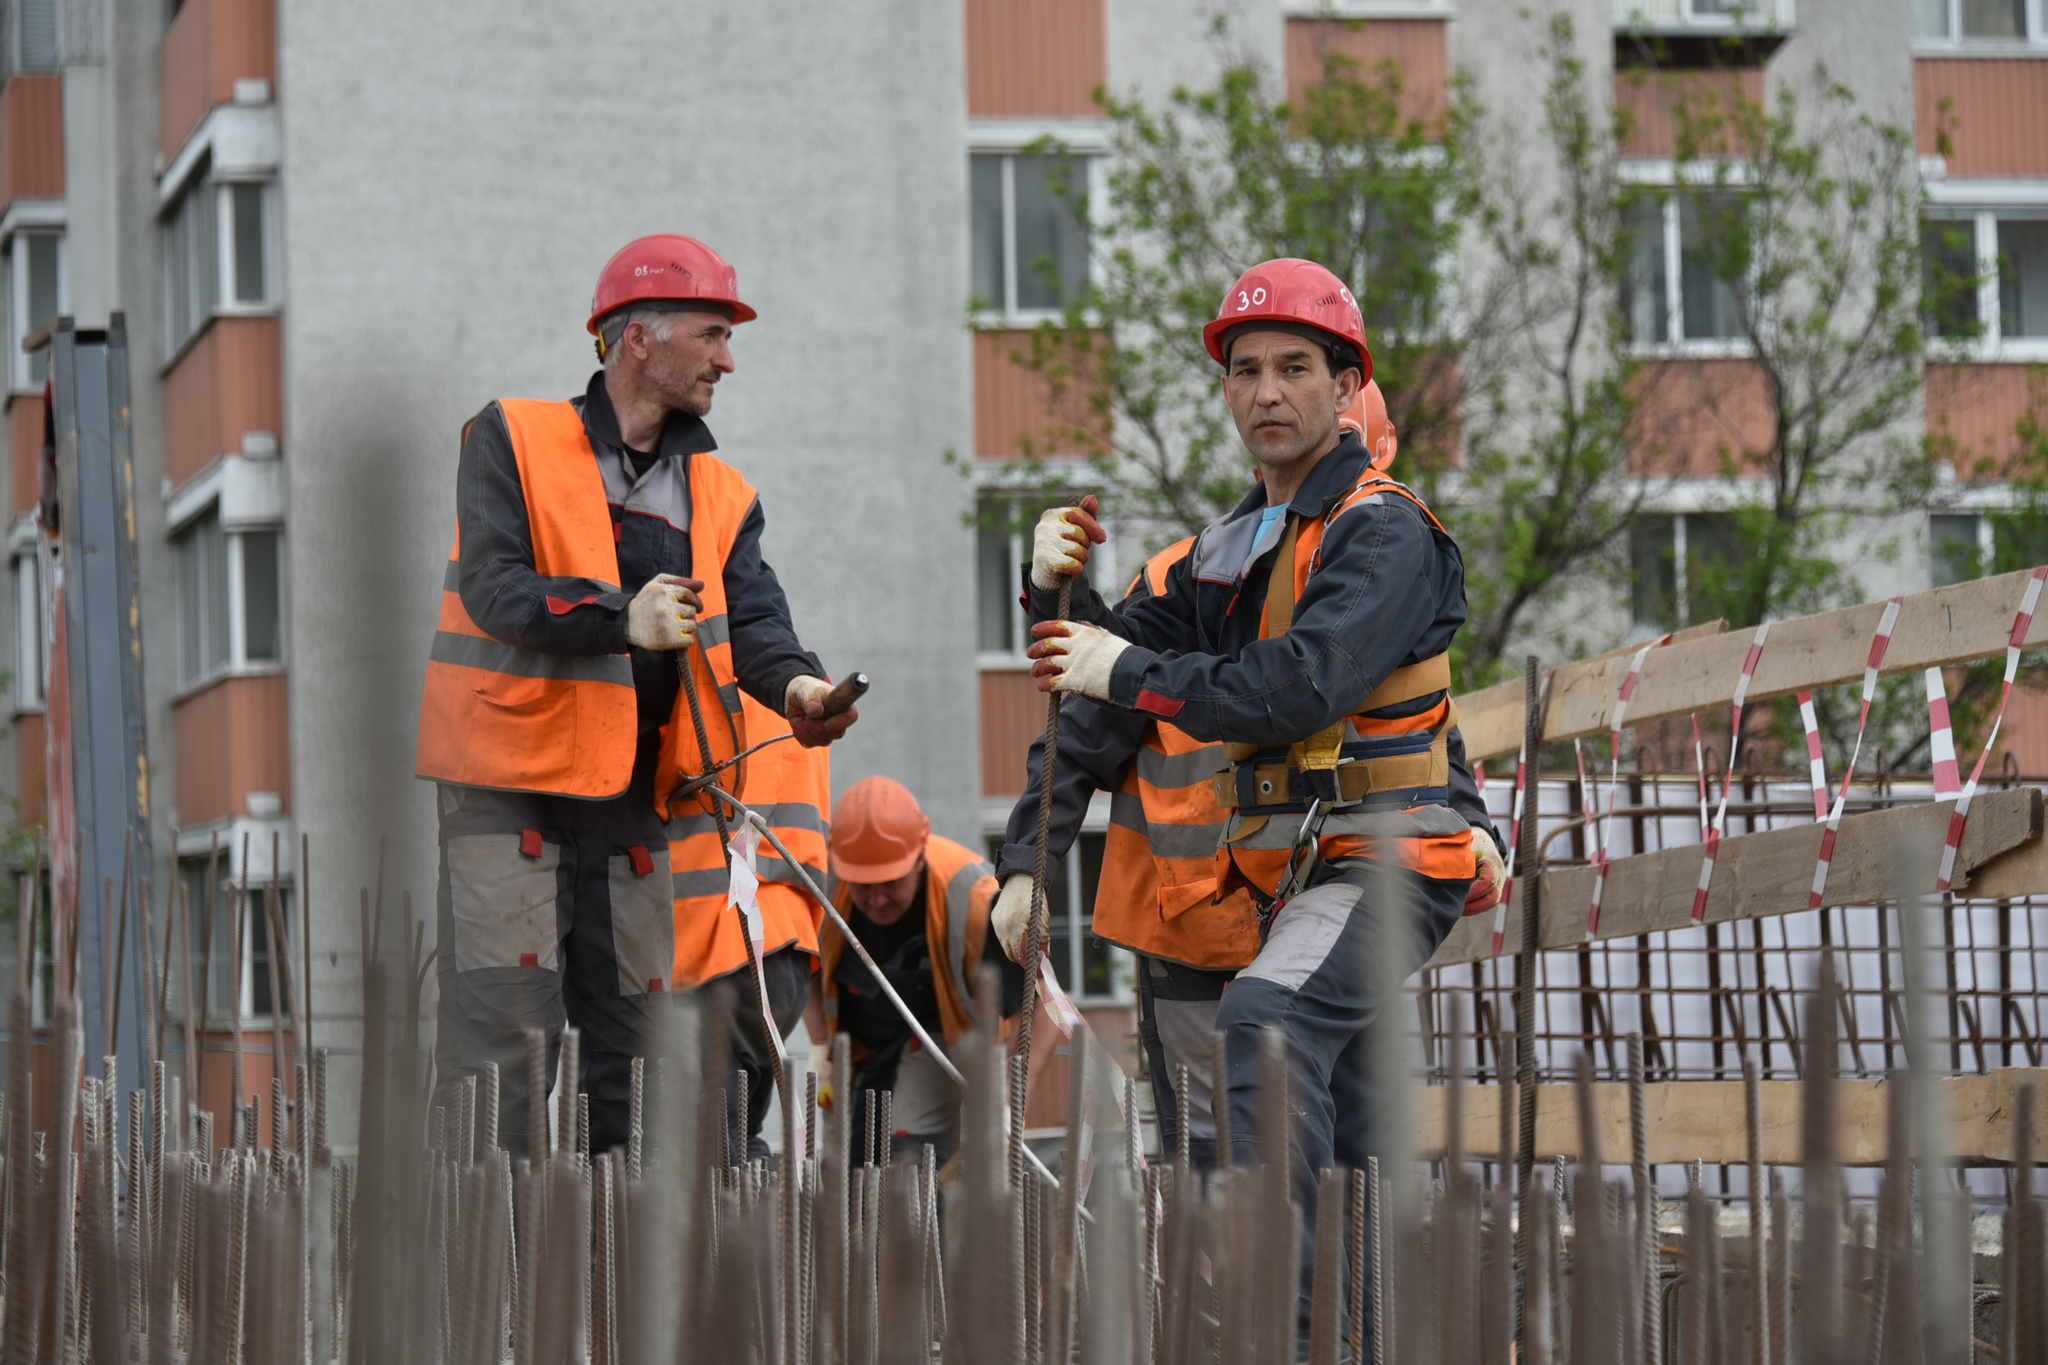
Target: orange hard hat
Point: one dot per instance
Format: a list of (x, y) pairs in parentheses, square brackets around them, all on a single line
[(878, 831), (1367, 416), (1290, 290), (670, 267)]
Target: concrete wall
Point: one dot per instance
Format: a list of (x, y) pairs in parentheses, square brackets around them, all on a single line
[(453, 179)]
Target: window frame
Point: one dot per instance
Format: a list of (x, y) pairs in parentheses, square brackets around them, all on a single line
[(1953, 42), (14, 259), (1664, 179), (229, 841), (233, 533), (1102, 563), (17, 43), (1678, 510), (223, 219), (31, 602), (1011, 140), (1078, 918), (1961, 203)]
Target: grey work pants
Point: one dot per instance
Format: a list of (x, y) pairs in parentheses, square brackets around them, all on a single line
[(551, 911), (1177, 1026)]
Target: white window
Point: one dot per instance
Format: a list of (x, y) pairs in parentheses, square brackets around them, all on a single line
[(32, 36), (1985, 273), (32, 275), (1094, 971), (31, 633), (1681, 565), (1981, 21), (1675, 289), (1029, 245), (1003, 522), (230, 599), (219, 254), (248, 990), (1966, 545)]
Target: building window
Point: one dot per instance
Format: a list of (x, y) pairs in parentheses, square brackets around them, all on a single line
[(31, 633), (1003, 522), (32, 36), (230, 599), (42, 973), (1966, 545), (226, 989), (218, 253), (32, 275), (1029, 247), (1094, 971), (1681, 565), (1986, 274), (1674, 290), (1994, 21)]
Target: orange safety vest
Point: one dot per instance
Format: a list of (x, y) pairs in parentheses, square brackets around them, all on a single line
[(790, 787), (1371, 750), (959, 889), (495, 715), (1159, 892)]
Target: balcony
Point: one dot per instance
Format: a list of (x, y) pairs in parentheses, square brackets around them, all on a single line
[(1699, 33), (1995, 109), (32, 138), (1419, 49), (233, 738), (25, 453), (209, 46), (1031, 59), (1014, 410), (227, 383)]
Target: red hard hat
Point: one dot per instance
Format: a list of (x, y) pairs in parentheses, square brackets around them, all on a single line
[(1290, 290), (666, 266), (1367, 416), (878, 831)]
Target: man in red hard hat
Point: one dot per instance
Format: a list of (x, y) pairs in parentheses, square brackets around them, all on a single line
[(1160, 892), (604, 606), (918, 902), (1307, 631)]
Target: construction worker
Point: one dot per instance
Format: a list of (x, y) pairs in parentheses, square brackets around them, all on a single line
[(1159, 893), (919, 904), (1307, 631), (790, 787), (604, 607)]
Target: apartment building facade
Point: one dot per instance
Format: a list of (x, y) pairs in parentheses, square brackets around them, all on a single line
[(338, 231)]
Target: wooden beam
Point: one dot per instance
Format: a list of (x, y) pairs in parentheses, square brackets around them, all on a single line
[(1703, 1120), (1946, 626), (1769, 873)]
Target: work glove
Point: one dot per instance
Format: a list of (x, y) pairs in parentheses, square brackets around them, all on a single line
[(1059, 544), (1011, 915), (1072, 656), (1490, 877), (803, 705), (663, 614)]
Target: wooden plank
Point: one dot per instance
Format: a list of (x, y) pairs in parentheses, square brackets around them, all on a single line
[(1702, 1120), (1760, 875), (1946, 626), (1498, 706)]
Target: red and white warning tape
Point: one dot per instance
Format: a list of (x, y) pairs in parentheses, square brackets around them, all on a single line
[(1948, 782), (1816, 765), (1711, 838), (1507, 886), (1614, 725), (2020, 626), (1879, 643)]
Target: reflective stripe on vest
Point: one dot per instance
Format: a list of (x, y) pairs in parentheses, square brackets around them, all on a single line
[(494, 715), (1438, 847), (789, 787), (959, 889)]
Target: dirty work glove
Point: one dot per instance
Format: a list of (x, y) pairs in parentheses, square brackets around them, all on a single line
[(1011, 915), (1490, 877), (1073, 656), (663, 614), (1059, 544), (803, 704)]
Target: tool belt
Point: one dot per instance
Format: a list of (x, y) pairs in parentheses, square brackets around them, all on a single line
[(1325, 767)]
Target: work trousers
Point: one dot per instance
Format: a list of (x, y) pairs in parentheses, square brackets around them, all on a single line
[(552, 911), (1177, 1026), (788, 974), (1312, 981)]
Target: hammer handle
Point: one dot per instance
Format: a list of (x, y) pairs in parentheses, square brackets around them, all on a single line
[(845, 693)]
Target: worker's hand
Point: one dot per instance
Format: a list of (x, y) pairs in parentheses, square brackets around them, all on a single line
[(1073, 656), (1491, 876), (1011, 915), (663, 614), (803, 704), (1059, 544), (825, 1096)]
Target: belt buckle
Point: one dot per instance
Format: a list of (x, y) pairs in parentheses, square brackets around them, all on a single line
[(1322, 785)]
